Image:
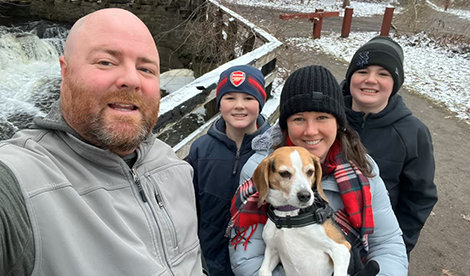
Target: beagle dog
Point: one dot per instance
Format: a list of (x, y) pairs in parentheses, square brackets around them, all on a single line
[(301, 236)]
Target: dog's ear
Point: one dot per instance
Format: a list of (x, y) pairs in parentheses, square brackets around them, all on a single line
[(261, 179), (317, 178)]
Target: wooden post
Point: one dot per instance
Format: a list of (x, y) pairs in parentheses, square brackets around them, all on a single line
[(317, 24), (248, 44), (387, 21), (347, 19), (316, 18), (446, 5)]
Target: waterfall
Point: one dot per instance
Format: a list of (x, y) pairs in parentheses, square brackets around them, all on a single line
[(29, 72)]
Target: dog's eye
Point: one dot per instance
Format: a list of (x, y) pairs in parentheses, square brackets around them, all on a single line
[(284, 174), (310, 173)]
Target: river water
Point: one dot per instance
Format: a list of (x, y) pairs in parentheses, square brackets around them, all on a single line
[(29, 72)]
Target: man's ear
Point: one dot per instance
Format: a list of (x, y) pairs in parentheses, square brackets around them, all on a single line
[(63, 66)]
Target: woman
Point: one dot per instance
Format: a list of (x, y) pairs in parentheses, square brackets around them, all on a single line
[(398, 141), (312, 116)]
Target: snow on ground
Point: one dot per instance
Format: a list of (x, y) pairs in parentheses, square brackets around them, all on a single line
[(362, 9), (434, 72), (464, 14)]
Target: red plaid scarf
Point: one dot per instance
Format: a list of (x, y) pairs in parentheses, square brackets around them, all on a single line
[(354, 190)]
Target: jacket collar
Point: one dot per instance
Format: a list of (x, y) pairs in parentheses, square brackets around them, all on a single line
[(217, 130), (395, 110)]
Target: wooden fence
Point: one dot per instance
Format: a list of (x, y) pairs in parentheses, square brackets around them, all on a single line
[(259, 49)]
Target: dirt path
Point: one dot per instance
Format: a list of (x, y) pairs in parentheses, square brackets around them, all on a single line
[(444, 244)]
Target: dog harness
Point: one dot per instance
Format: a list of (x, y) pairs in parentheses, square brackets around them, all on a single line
[(317, 213)]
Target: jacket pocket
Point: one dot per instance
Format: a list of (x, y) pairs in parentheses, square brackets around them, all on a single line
[(167, 218)]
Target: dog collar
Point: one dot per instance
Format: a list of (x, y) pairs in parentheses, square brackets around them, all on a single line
[(311, 215), (287, 208)]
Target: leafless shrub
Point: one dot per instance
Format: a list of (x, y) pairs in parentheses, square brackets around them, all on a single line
[(443, 27), (456, 4), (212, 38)]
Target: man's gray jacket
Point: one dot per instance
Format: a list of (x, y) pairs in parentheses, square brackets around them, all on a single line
[(70, 208)]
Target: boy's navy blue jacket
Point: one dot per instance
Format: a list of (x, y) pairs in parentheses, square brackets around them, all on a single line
[(402, 147), (217, 164)]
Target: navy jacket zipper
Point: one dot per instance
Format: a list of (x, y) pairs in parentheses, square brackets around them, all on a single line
[(237, 159)]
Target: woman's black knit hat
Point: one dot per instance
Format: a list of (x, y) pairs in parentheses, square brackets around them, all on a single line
[(311, 88), (382, 51)]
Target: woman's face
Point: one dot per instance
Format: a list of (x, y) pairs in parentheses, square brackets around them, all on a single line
[(314, 131)]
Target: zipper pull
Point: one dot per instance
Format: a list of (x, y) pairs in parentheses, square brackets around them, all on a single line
[(159, 200), (364, 118), (237, 158), (139, 185)]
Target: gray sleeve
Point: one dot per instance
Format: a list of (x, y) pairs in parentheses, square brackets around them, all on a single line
[(249, 168), (16, 235)]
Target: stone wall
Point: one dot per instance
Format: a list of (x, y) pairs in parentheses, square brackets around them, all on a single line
[(164, 18)]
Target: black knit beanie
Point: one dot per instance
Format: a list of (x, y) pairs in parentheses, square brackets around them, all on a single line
[(311, 88), (382, 51)]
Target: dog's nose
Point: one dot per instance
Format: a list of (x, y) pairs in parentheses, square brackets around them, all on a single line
[(303, 196)]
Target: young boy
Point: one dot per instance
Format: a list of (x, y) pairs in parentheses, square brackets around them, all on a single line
[(398, 141), (218, 156)]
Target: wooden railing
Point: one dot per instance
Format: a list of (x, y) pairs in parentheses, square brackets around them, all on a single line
[(179, 105)]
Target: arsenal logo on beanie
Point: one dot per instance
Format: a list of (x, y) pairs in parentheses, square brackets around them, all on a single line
[(242, 78)]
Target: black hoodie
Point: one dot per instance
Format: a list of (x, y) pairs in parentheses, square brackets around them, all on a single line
[(402, 147)]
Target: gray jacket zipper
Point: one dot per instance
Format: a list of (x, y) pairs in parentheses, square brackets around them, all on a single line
[(160, 241), (139, 185)]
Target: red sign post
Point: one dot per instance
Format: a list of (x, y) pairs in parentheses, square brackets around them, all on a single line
[(446, 5), (316, 17), (387, 21), (347, 20)]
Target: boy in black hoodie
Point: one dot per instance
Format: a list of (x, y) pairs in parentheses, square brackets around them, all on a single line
[(398, 141)]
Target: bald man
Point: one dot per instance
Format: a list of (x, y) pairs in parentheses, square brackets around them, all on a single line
[(90, 190)]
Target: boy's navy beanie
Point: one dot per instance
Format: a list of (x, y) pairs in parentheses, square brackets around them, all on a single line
[(242, 78)]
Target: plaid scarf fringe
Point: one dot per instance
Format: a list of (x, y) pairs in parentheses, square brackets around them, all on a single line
[(241, 233), (245, 213)]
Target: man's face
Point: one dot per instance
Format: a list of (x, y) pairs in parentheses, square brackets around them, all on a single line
[(110, 86)]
